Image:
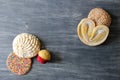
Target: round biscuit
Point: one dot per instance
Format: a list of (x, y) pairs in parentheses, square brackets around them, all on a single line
[(19, 66), (26, 45), (100, 16)]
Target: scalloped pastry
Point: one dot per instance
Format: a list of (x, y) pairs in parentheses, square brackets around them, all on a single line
[(26, 45)]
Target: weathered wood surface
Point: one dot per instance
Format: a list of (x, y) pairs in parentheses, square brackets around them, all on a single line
[(55, 23)]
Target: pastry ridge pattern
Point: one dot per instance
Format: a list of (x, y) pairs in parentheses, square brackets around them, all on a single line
[(26, 45)]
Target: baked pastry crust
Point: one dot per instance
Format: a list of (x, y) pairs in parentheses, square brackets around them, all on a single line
[(26, 45), (100, 16), (90, 34)]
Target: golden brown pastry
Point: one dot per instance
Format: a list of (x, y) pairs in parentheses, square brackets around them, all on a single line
[(91, 35), (100, 17)]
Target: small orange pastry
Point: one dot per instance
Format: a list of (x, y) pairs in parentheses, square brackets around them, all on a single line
[(43, 56)]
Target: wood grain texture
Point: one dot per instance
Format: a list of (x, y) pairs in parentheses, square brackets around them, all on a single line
[(55, 23)]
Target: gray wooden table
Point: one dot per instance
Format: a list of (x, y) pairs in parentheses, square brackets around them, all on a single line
[(55, 23)]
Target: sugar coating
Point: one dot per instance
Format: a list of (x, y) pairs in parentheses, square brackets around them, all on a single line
[(90, 34), (100, 16), (18, 65), (26, 45)]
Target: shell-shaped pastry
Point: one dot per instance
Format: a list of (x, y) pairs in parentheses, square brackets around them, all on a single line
[(26, 45)]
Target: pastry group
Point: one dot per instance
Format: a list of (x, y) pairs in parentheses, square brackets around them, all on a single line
[(25, 47), (94, 29)]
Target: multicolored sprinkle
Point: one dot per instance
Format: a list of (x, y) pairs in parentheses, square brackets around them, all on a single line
[(18, 65)]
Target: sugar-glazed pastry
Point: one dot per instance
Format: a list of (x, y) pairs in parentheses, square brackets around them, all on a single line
[(26, 45), (17, 65), (100, 16), (90, 34)]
